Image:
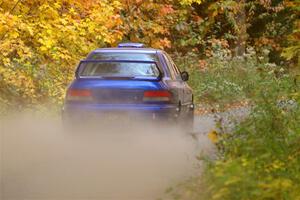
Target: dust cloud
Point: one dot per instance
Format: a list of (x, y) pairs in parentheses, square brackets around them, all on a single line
[(41, 161)]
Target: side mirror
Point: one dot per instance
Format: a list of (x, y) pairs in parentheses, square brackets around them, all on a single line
[(185, 76)]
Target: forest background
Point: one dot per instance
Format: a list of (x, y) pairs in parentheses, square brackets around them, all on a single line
[(238, 52), (42, 41)]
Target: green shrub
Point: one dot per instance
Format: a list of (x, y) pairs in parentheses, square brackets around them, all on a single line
[(260, 158), (220, 79)]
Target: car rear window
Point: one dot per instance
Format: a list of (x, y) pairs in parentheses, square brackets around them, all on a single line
[(118, 69), (124, 56)]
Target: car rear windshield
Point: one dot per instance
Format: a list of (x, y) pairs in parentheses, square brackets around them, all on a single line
[(118, 69), (124, 56)]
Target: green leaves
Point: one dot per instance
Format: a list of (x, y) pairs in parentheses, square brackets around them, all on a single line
[(258, 155)]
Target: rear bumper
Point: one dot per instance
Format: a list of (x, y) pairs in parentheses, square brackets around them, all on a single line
[(106, 111)]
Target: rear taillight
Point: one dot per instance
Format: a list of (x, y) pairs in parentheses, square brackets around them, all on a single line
[(157, 96), (79, 95)]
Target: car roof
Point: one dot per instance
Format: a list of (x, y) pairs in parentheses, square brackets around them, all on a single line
[(127, 50)]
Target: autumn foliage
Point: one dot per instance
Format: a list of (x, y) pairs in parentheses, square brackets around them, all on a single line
[(42, 41), (235, 50)]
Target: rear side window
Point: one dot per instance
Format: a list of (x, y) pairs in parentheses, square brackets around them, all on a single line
[(124, 56), (175, 73), (118, 69)]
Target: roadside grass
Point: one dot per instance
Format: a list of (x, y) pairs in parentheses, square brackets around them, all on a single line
[(260, 157), (219, 82)]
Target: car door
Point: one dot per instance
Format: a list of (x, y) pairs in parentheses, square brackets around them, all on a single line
[(187, 93), (174, 82)]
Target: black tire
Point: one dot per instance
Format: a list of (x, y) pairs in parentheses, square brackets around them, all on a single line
[(186, 120), (188, 125)]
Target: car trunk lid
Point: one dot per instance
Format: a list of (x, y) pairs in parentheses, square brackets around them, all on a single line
[(117, 91)]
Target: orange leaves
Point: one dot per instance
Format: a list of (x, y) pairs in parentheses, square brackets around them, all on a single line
[(197, 18), (148, 22), (161, 43), (167, 9), (165, 43), (203, 65), (263, 41)]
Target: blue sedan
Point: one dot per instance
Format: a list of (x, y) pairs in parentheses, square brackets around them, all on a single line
[(130, 80)]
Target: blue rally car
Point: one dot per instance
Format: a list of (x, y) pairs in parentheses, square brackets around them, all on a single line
[(130, 81)]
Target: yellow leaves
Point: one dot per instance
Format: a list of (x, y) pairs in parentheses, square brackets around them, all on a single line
[(17, 82), (56, 34), (277, 164), (29, 29), (233, 180), (63, 21), (213, 136), (46, 42), (277, 184), (48, 12), (46, 38), (293, 50), (55, 39), (6, 61), (220, 193), (14, 35), (244, 162), (117, 4), (189, 2), (8, 24), (72, 11), (57, 5)]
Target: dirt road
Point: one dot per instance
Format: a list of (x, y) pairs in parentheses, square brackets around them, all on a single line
[(39, 161)]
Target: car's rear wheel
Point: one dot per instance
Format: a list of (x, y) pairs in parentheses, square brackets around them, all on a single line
[(186, 120)]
